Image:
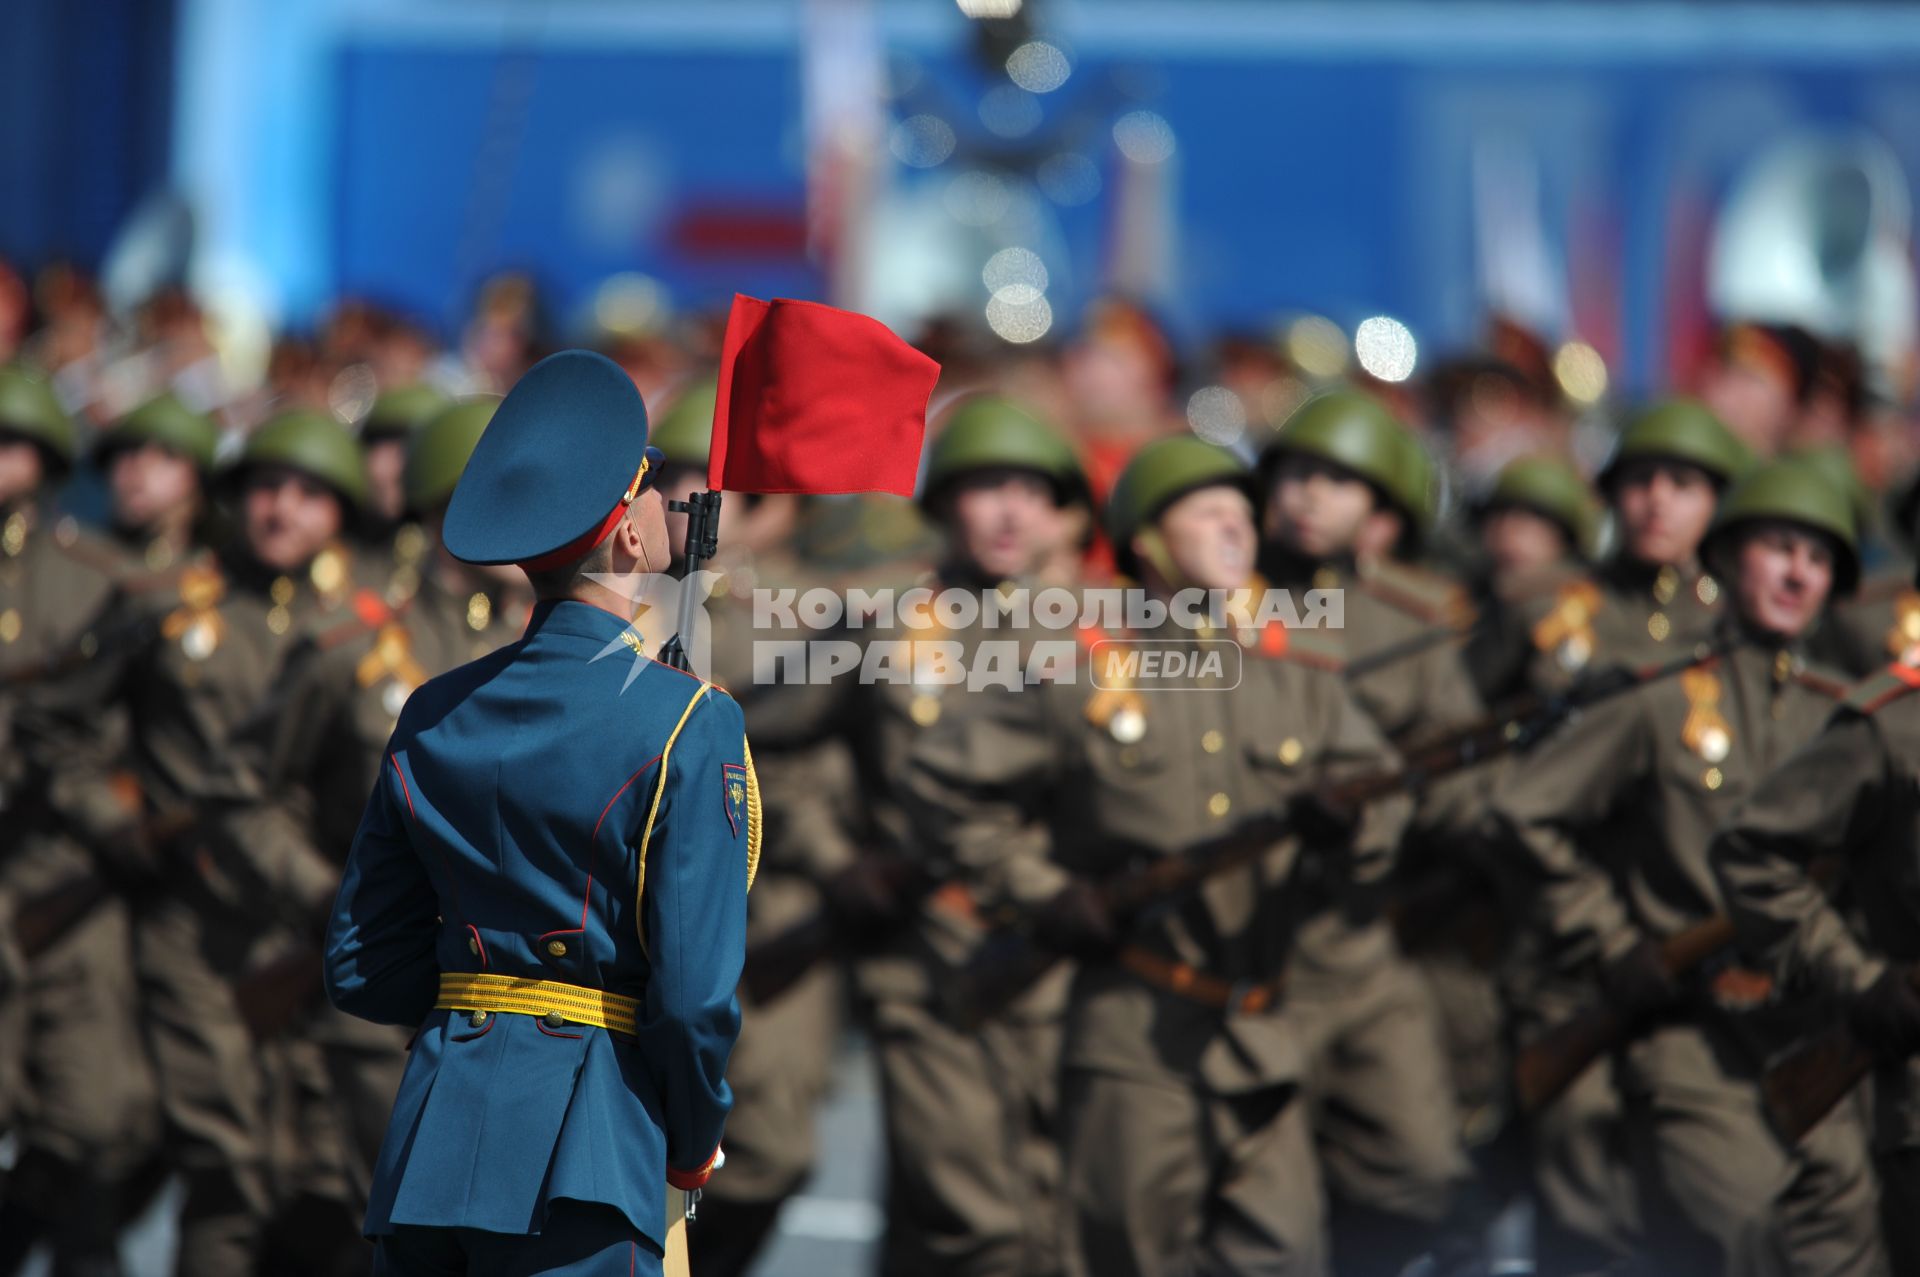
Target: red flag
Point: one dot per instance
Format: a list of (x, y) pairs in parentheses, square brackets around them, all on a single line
[(814, 399)]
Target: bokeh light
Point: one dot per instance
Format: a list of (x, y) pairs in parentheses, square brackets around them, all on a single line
[(922, 141), (1019, 314), (1385, 348), (1581, 372), (1316, 346), (1015, 268), (1038, 67), (1009, 111), (1216, 414), (989, 8), (1143, 137)]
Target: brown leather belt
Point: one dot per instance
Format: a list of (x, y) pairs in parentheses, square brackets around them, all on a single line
[(1195, 985)]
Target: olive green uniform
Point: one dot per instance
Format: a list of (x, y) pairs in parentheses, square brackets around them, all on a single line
[(1849, 793), (215, 660), (1880, 623), (1614, 814), (86, 1101), (1186, 1143)]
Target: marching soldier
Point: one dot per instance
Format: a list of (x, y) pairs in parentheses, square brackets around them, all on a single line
[(1186, 1140), (391, 546), (1536, 528), (550, 879), (972, 1166), (316, 745), (783, 1063), (1335, 479), (209, 663), (1651, 598), (1614, 815)]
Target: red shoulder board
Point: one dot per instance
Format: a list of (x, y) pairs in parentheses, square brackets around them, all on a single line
[(1876, 691), (1309, 647)]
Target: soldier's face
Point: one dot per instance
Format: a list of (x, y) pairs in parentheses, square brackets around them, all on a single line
[(21, 469), (1757, 406), (1209, 538), (1782, 578), (1519, 542), (386, 466), (1004, 521), (149, 483), (288, 517), (1664, 510), (1318, 509)]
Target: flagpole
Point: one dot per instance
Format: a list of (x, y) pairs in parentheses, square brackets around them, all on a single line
[(703, 542)]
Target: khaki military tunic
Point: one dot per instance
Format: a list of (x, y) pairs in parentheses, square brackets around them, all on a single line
[(1879, 623), (1615, 814), (213, 662), (1623, 614), (316, 745), (1185, 1145), (1500, 652), (88, 1105), (1852, 792)]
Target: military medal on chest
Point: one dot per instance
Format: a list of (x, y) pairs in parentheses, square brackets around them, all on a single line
[(197, 624), (1706, 731), (1567, 631)]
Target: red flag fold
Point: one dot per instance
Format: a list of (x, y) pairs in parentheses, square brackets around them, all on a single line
[(814, 399)]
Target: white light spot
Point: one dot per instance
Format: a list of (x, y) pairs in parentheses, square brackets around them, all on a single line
[(1385, 348), (1069, 179), (922, 141), (1217, 415), (1015, 268), (1143, 137), (630, 304), (977, 199), (1019, 314), (1038, 67), (1317, 346), (1581, 372), (1009, 111), (989, 8)]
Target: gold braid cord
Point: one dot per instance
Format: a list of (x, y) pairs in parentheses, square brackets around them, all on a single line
[(753, 814)]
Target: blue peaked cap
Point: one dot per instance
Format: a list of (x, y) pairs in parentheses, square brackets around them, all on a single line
[(563, 452)]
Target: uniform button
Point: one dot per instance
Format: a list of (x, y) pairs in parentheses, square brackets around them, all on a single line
[(1213, 742), (558, 948), (477, 1018), (473, 944), (554, 1020), (1218, 804), (1290, 751)]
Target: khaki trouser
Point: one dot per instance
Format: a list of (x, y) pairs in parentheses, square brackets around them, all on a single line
[(1731, 1197), (1382, 1103), (973, 1166), (1163, 1179)]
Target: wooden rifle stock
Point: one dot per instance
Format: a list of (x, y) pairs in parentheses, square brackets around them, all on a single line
[(1544, 1069), (988, 982), (1807, 1082)]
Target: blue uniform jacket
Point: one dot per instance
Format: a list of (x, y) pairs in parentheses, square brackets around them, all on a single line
[(538, 816)]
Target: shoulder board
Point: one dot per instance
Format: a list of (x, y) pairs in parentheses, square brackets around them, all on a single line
[(367, 613), (1311, 647), (1824, 681), (1881, 587), (1876, 691), (1426, 595)]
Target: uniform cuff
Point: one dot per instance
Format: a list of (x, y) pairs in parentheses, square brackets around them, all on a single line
[(687, 1181)]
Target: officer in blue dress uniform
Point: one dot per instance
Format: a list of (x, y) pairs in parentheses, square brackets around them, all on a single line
[(550, 880)]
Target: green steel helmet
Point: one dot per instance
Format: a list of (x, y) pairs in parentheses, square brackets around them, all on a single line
[(990, 433), (316, 446), (1413, 488), (1791, 492), (1680, 430), (1353, 429), (1160, 474), (685, 430), (1552, 489), (399, 412), (1835, 463), (171, 424), (438, 451), (29, 408)]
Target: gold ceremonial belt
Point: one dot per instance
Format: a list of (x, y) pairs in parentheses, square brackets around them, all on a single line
[(547, 998)]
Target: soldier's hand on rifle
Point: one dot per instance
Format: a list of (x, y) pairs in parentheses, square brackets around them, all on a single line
[(1638, 982), (1077, 922), (1321, 821), (1886, 1017), (864, 898)]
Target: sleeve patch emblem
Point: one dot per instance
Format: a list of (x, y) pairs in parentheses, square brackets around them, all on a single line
[(734, 778)]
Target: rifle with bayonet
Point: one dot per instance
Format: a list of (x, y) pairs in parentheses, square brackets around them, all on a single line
[(1012, 960), (1809, 1081)]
